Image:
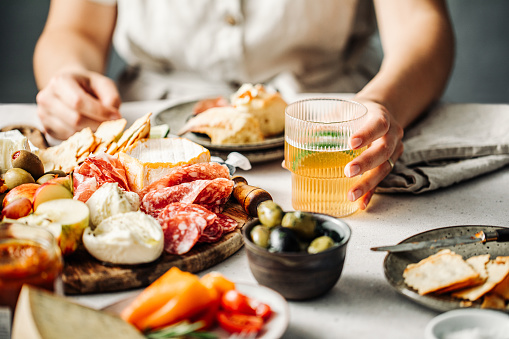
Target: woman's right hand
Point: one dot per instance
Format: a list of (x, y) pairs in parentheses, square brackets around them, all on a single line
[(73, 100)]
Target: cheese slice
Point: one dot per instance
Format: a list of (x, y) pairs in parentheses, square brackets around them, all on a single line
[(10, 142), (150, 159), (42, 315)]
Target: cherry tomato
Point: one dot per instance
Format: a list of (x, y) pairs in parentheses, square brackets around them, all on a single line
[(237, 322), (236, 302)]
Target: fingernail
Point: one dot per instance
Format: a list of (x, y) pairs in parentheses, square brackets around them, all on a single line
[(352, 170), (355, 142), (352, 196)]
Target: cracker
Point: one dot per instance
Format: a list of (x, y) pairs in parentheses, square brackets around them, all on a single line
[(137, 126), (443, 271), (493, 301), (497, 271), (108, 132)]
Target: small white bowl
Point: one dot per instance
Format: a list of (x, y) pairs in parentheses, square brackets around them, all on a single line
[(469, 324)]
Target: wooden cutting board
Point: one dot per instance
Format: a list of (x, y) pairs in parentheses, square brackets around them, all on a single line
[(84, 274)]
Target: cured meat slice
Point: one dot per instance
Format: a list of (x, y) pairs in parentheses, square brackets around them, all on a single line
[(189, 173), (204, 192), (228, 224), (203, 216), (101, 167), (181, 233), (212, 233)]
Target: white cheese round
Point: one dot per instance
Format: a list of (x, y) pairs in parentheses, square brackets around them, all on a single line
[(109, 200), (127, 238)]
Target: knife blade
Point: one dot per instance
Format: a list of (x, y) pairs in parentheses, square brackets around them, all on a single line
[(500, 235)]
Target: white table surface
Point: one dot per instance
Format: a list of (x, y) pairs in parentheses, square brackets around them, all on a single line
[(362, 304)]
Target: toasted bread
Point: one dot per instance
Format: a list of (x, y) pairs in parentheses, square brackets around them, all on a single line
[(225, 125)]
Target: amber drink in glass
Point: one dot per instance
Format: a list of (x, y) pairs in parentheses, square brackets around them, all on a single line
[(316, 153)]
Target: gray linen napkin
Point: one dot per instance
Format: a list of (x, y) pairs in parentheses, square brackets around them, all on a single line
[(453, 143)]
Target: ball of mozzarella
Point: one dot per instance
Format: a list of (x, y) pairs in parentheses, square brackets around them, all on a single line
[(126, 238)]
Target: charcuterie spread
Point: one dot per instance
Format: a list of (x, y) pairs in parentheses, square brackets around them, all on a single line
[(118, 198)]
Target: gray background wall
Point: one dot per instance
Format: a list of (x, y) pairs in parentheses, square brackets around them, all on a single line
[(481, 72)]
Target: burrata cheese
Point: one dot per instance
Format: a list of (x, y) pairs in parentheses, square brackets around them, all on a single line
[(126, 238)]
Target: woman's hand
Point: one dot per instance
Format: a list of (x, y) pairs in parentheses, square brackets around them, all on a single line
[(383, 135), (73, 100)]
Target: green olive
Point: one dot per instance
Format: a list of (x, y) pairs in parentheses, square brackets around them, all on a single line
[(260, 236), (269, 213), (17, 176), (320, 244), (302, 223)]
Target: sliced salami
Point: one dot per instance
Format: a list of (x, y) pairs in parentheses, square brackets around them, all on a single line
[(203, 217), (204, 192), (189, 173), (181, 233), (212, 233), (228, 224)]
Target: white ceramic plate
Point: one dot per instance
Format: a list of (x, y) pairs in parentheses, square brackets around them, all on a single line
[(275, 327), (395, 263)]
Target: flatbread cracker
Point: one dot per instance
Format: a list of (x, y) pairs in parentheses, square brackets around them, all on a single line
[(138, 125), (497, 271), (108, 132), (493, 301), (440, 272)]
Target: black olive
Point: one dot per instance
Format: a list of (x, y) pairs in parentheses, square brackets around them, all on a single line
[(283, 239)]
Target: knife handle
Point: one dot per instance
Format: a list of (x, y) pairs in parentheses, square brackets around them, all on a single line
[(502, 235), (249, 196)]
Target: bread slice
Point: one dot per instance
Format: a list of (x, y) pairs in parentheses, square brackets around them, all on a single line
[(440, 272), (225, 125), (268, 108)]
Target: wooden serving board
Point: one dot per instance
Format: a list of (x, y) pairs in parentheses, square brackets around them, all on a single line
[(84, 274)]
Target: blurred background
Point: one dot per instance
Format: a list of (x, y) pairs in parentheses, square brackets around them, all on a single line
[(481, 71)]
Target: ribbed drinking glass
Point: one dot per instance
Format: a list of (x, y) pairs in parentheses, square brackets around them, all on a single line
[(316, 153)]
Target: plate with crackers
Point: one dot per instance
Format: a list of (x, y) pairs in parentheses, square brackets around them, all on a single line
[(461, 276)]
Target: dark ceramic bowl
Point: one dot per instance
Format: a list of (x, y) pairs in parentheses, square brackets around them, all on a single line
[(299, 276)]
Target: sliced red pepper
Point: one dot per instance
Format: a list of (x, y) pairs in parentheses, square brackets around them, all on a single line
[(237, 322), (236, 302)]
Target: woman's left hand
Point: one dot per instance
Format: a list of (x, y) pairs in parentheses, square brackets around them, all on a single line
[(383, 136)]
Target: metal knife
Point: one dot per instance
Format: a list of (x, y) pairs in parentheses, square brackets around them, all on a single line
[(500, 235)]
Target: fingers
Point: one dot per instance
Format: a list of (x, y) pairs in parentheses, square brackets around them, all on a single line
[(78, 93), (377, 153), (370, 179), (71, 102), (376, 126)]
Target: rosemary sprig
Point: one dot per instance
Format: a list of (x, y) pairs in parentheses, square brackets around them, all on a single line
[(181, 329)]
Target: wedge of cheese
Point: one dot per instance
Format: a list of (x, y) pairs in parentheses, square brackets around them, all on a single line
[(10, 142), (42, 315), (150, 159)]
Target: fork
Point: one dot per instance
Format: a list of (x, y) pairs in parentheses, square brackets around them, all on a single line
[(243, 335)]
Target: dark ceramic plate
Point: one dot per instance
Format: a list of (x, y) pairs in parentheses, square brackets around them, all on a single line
[(176, 117), (395, 263)]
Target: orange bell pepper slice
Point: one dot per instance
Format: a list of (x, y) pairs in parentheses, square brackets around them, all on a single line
[(165, 288), (190, 301)]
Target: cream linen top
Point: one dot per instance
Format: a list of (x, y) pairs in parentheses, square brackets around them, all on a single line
[(185, 47)]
